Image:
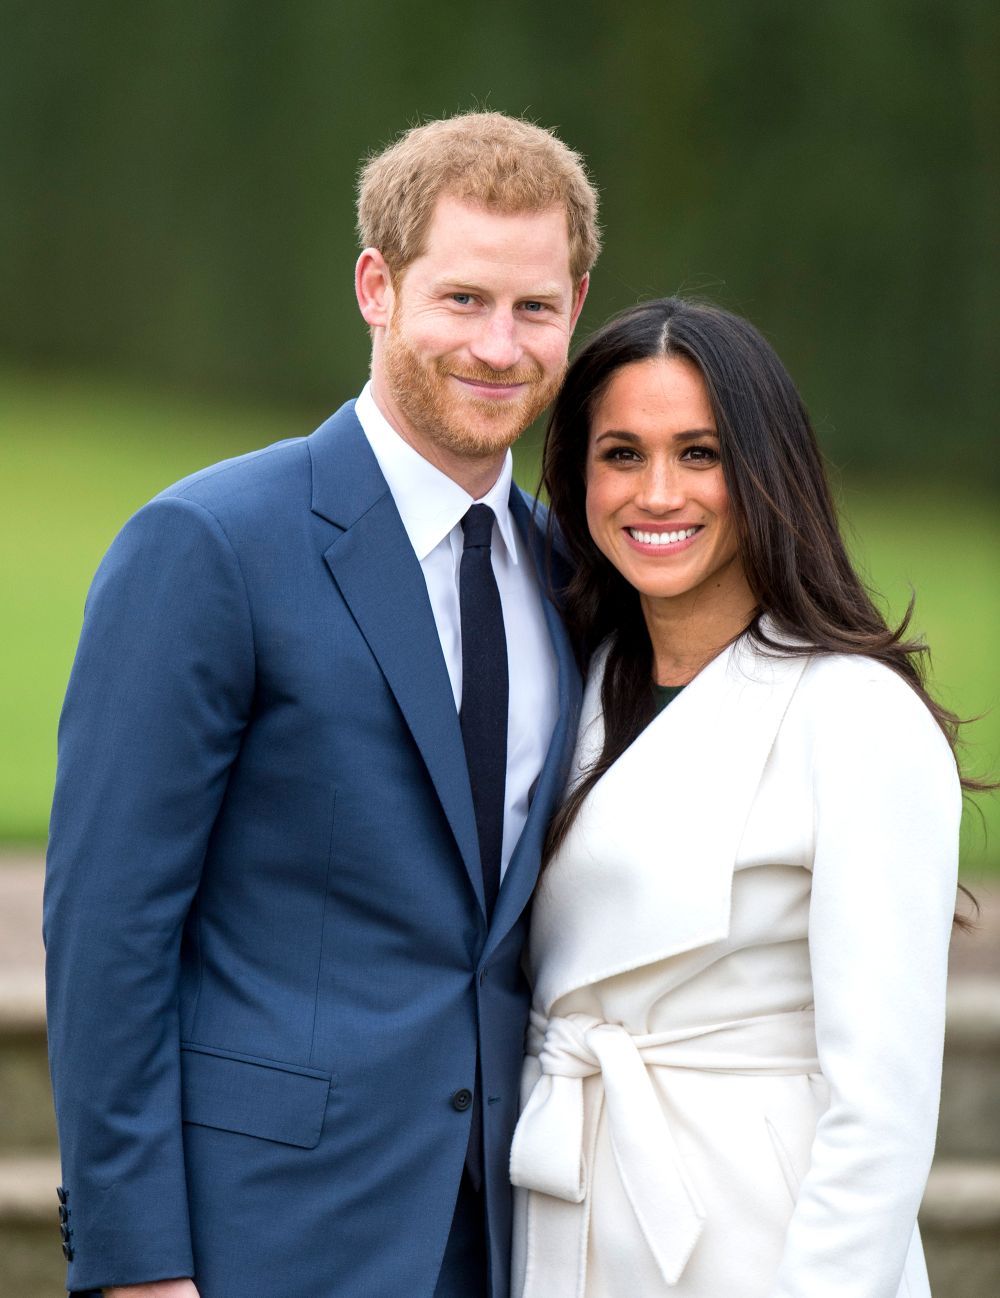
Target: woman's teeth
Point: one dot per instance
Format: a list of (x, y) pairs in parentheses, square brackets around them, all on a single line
[(660, 538)]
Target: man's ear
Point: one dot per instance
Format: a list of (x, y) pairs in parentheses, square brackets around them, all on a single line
[(581, 297), (373, 288)]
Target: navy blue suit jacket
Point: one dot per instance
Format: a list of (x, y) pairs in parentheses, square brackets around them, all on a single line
[(269, 967)]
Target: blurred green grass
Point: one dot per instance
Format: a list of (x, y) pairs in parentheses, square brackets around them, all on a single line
[(79, 455)]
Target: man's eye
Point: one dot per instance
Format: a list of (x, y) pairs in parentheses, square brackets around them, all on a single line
[(534, 306), (463, 299)]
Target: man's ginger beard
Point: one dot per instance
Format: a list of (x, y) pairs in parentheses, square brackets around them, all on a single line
[(467, 426)]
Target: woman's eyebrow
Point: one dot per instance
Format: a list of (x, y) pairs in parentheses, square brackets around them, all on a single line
[(695, 434), (620, 434), (623, 435)]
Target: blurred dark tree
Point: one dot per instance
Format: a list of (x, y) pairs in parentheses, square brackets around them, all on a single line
[(176, 185)]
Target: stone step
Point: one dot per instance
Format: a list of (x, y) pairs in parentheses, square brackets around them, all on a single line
[(28, 1189), (31, 1260), (27, 1122), (969, 1123), (960, 1225), (960, 1217), (959, 1221)]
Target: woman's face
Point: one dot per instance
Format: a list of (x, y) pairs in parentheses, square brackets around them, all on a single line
[(657, 505)]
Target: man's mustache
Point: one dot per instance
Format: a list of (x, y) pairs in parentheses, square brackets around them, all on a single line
[(485, 374)]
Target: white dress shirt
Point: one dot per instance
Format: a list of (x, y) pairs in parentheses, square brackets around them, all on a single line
[(431, 506)]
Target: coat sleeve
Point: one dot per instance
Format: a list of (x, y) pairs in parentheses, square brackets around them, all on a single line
[(887, 811), (158, 698)]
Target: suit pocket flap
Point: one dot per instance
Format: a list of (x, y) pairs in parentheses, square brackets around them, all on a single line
[(254, 1097)]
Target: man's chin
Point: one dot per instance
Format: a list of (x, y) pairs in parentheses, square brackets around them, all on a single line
[(496, 423), (481, 439)]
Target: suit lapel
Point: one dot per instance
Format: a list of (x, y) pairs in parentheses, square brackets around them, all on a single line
[(646, 870), (522, 871), (380, 579)]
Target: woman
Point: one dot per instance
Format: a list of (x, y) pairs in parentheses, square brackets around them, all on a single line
[(739, 942)]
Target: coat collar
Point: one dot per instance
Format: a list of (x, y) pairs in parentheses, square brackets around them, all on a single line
[(346, 479), (378, 575), (646, 870)]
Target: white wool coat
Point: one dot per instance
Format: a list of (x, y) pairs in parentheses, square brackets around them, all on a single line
[(739, 957)]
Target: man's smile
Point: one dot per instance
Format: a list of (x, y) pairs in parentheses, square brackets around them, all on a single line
[(491, 391)]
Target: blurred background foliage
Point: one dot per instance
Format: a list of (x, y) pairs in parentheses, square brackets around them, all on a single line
[(177, 242)]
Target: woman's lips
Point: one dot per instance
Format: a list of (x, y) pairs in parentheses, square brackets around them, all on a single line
[(662, 540)]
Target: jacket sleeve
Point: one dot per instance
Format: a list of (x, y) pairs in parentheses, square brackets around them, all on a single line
[(887, 811), (158, 698)]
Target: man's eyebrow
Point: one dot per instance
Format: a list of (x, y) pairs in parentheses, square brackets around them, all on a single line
[(548, 291), (544, 293), (688, 435)]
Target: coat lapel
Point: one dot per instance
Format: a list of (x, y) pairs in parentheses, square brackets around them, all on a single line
[(646, 870), (380, 579), (522, 872)]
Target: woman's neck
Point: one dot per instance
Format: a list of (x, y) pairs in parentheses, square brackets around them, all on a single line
[(688, 631)]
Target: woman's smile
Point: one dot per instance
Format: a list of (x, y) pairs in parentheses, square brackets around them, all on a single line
[(661, 542)]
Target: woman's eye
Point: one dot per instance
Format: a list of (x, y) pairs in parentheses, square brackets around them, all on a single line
[(619, 455), (701, 454)]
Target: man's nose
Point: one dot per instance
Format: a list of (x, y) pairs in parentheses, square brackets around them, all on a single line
[(496, 343)]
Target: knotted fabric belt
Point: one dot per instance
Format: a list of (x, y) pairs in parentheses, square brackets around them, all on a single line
[(549, 1153)]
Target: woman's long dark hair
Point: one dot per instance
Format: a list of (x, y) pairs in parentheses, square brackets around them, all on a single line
[(789, 540)]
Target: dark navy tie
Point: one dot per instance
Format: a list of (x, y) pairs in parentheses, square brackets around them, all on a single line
[(484, 692)]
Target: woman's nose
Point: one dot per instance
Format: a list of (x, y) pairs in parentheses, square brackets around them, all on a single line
[(661, 490)]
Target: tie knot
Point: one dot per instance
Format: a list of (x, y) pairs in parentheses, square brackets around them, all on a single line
[(478, 526)]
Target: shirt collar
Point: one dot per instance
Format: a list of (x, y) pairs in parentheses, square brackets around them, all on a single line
[(430, 503)]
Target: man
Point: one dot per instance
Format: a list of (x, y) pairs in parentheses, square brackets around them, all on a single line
[(320, 715)]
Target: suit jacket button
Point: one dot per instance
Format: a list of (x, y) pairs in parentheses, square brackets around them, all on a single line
[(67, 1252), (461, 1100), (61, 1194)]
